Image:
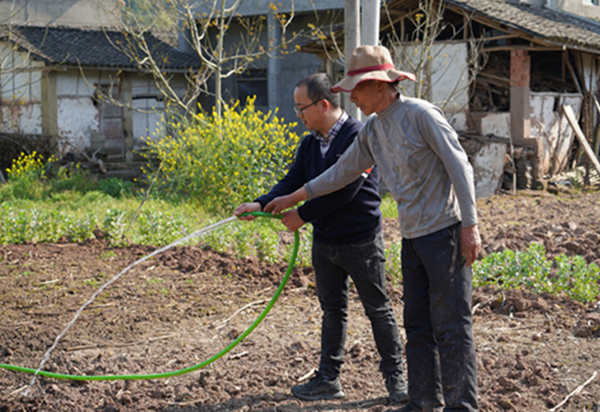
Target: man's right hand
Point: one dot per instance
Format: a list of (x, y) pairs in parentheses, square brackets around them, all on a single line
[(247, 208), (281, 203)]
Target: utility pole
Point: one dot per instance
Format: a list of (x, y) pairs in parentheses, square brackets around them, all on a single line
[(351, 42), (274, 60), (369, 32)]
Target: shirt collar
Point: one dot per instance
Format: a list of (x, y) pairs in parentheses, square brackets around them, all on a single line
[(335, 129)]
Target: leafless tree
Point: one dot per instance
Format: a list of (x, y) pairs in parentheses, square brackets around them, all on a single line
[(205, 24), (421, 49)]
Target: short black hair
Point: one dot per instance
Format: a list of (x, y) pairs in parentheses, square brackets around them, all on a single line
[(318, 87)]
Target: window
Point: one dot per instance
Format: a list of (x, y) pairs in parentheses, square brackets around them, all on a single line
[(253, 82)]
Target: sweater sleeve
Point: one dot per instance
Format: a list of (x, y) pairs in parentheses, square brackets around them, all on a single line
[(352, 164), (325, 205), (442, 139), (294, 178)]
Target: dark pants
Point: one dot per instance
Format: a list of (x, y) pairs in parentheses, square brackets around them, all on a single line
[(440, 349), (365, 263)]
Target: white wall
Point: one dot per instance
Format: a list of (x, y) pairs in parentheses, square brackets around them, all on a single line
[(488, 168), (148, 119), (21, 92), (450, 77), (60, 12), (553, 128), (446, 73), (77, 115), (582, 8), (257, 7), (497, 124)]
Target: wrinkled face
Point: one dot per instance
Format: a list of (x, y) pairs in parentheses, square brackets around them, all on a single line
[(367, 96), (309, 112)]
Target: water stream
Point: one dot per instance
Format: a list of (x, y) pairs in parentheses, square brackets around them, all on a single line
[(114, 279)]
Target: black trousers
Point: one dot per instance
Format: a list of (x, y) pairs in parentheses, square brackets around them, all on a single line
[(440, 350), (365, 263)]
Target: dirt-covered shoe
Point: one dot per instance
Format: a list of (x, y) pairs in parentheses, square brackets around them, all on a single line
[(397, 388), (319, 388)]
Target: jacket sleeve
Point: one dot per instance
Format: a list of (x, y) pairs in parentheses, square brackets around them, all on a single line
[(442, 139), (294, 178), (356, 159), (322, 206)]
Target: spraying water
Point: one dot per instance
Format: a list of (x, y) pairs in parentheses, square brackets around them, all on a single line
[(114, 279)]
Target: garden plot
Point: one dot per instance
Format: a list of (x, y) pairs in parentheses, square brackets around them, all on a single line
[(185, 305)]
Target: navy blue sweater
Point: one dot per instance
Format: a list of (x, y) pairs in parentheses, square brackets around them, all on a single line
[(351, 214)]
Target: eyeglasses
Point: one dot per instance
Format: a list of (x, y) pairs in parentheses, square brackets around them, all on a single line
[(300, 110)]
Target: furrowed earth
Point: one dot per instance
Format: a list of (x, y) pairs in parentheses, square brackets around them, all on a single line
[(185, 305)]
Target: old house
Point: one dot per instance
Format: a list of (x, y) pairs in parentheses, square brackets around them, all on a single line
[(76, 86), (502, 71)]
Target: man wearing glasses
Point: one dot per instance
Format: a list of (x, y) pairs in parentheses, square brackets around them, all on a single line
[(347, 241)]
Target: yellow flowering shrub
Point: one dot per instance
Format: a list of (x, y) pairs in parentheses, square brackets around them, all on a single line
[(224, 161), (28, 165)]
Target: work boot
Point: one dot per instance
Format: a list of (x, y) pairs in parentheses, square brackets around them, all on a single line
[(319, 388), (397, 388)]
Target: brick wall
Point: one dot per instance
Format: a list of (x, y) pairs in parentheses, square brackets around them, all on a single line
[(520, 68)]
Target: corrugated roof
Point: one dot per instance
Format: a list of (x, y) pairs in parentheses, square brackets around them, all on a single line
[(93, 48), (553, 27)]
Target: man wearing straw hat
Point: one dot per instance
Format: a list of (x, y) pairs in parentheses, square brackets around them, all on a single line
[(428, 173)]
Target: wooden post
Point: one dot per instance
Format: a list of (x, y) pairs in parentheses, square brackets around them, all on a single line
[(49, 106), (126, 97), (579, 133)]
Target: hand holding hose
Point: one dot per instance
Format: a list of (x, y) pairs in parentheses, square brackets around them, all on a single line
[(292, 220), (281, 203), (247, 208)]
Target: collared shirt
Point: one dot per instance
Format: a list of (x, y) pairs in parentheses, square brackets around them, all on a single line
[(335, 129)]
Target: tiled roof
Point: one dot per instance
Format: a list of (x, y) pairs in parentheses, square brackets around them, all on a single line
[(69, 46), (553, 27)]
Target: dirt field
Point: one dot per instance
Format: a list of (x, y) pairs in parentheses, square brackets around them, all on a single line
[(185, 305)]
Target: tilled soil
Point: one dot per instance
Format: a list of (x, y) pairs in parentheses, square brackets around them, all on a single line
[(185, 305)]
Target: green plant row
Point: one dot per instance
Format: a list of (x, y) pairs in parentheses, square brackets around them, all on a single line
[(153, 226), (533, 271), (530, 270), (46, 202)]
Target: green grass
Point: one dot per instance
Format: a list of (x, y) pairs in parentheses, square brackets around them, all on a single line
[(74, 216), (531, 270)]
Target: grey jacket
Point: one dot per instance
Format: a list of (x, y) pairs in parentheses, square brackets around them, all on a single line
[(421, 162)]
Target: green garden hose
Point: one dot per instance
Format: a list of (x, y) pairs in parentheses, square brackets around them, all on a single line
[(191, 368)]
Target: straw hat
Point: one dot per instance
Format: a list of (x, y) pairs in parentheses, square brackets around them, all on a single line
[(370, 63)]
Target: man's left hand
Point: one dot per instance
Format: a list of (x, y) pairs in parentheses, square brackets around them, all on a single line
[(470, 242), (292, 220)]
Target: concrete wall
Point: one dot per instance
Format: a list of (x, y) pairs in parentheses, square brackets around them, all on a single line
[(488, 168), (59, 12), (77, 113), (62, 103), (148, 119), (552, 128), (291, 67), (446, 73), (21, 92), (258, 7), (79, 116), (582, 8), (488, 123)]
